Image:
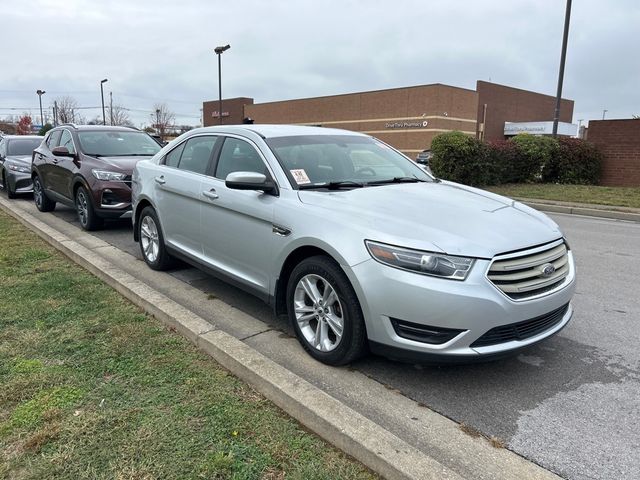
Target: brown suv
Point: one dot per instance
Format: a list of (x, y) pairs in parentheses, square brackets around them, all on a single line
[(89, 167)]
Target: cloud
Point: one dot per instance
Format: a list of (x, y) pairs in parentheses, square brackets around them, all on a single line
[(157, 51)]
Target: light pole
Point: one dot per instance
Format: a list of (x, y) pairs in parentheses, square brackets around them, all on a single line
[(563, 56), (104, 118), (219, 51), (158, 124), (604, 112), (40, 93)]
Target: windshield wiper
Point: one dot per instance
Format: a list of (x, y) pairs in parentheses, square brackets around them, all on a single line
[(397, 180), (130, 155), (333, 185)]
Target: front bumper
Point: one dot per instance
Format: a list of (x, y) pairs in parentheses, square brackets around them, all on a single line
[(473, 306), (19, 182), (112, 200)]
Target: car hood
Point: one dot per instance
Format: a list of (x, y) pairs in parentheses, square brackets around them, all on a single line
[(121, 164), (443, 216), (21, 159)]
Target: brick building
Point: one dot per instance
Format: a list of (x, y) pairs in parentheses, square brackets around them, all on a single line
[(619, 141), (407, 118)]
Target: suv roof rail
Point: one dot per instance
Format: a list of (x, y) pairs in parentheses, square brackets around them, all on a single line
[(68, 124)]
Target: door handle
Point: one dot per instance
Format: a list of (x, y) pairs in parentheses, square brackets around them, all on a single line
[(210, 194), (160, 180)]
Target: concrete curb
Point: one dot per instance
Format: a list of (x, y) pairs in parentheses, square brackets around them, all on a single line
[(580, 210), (356, 435)]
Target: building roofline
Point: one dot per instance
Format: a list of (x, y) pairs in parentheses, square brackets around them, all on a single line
[(520, 90), (438, 84)]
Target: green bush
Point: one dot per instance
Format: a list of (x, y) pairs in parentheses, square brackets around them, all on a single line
[(576, 162), (534, 154), (461, 158), (44, 129), (522, 159)]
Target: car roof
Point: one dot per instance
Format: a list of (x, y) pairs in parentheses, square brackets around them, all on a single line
[(273, 131), (11, 137), (110, 128)]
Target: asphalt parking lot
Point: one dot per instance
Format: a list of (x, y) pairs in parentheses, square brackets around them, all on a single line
[(571, 404)]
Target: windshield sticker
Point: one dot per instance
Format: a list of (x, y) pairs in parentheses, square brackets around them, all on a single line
[(300, 176)]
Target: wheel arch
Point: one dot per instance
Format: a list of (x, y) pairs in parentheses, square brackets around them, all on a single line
[(141, 205)]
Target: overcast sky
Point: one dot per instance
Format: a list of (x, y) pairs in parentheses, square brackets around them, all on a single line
[(160, 51)]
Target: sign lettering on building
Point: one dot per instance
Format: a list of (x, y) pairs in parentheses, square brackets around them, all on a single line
[(215, 114), (422, 124)]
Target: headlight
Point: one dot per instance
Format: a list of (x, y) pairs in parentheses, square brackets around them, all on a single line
[(18, 168), (426, 263), (108, 176)]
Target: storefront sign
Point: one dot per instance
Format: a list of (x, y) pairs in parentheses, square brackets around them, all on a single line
[(539, 128), (422, 124), (215, 114)]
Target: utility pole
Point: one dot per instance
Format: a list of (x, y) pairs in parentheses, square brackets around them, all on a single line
[(111, 107), (604, 112), (55, 113), (563, 56)]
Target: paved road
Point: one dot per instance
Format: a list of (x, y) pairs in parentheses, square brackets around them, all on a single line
[(571, 404)]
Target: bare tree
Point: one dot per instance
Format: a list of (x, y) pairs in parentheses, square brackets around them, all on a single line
[(120, 116), (162, 118), (67, 109)]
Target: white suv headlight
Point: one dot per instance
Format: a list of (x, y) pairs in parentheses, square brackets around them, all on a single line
[(108, 176), (426, 263)]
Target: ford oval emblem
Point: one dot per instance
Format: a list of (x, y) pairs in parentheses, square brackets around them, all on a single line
[(548, 269)]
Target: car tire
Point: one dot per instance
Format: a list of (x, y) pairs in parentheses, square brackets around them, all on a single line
[(43, 203), (5, 183), (320, 301), (87, 216), (151, 241)]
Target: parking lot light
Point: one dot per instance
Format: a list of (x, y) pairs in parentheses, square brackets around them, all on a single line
[(104, 118), (40, 93), (219, 51)]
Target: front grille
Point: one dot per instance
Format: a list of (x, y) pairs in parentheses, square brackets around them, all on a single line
[(521, 330), (423, 333), (522, 275)]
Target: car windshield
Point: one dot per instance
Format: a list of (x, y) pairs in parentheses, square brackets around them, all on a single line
[(117, 143), (348, 161), (23, 146)]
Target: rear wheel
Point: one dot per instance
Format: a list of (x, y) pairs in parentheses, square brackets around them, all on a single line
[(43, 203), (152, 244), (87, 216), (324, 311)]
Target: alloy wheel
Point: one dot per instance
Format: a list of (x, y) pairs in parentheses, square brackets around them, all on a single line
[(149, 238), (82, 207), (318, 312), (37, 192)]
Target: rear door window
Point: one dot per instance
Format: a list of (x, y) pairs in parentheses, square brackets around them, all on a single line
[(173, 157), (196, 154)]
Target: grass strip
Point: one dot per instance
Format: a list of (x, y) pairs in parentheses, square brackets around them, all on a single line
[(592, 194), (91, 387)]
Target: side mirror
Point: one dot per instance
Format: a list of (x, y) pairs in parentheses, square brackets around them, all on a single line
[(250, 181), (62, 152)]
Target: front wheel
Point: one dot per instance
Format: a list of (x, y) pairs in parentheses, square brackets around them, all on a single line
[(324, 312), (43, 203), (152, 244), (5, 183), (87, 216)]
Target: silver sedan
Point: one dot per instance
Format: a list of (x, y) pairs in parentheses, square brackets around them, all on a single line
[(358, 245)]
